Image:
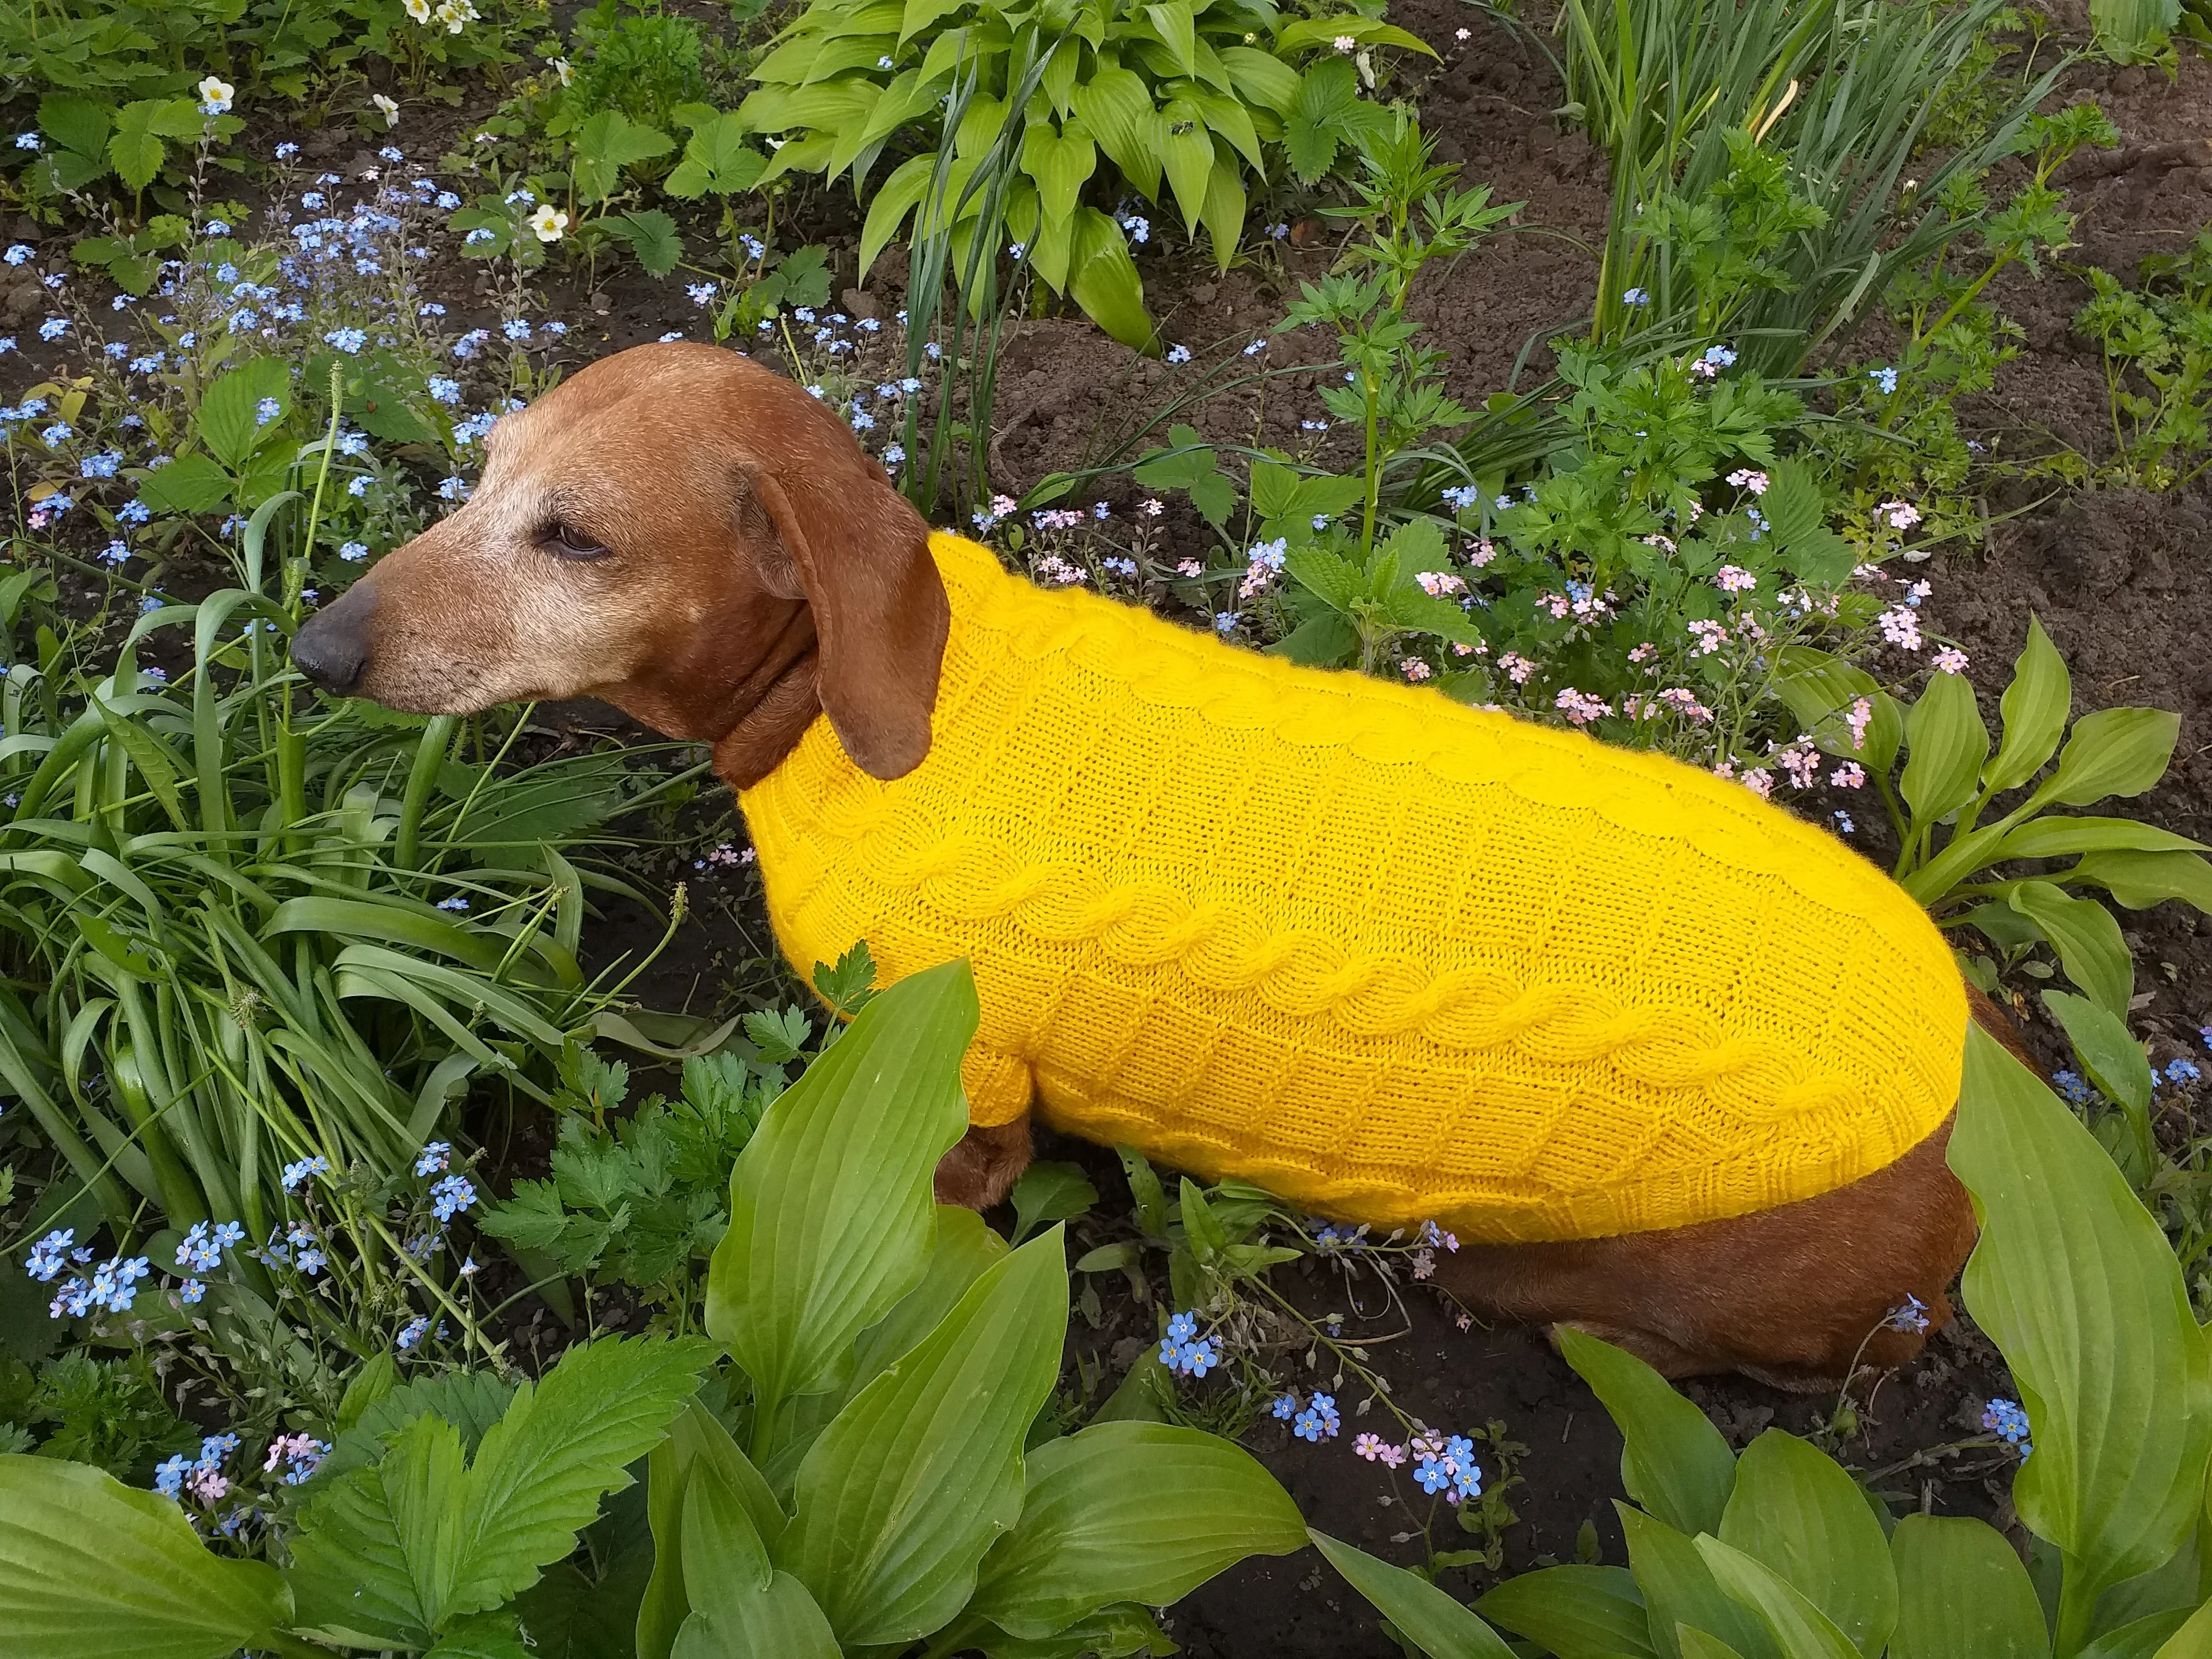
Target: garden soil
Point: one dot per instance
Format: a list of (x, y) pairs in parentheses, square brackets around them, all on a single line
[(2122, 580)]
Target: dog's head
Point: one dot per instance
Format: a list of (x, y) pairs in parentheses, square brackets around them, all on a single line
[(676, 530)]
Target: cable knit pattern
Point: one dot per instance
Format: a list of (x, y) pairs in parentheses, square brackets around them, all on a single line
[(1391, 957)]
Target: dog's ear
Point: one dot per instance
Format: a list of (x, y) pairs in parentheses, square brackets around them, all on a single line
[(861, 555)]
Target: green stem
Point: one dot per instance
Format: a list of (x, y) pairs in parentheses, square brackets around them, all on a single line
[(2077, 1602), (421, 779)]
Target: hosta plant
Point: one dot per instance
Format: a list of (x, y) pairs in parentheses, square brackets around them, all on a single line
[(1952, 777), (1778, 1553), (1189, 104), (891, 1476)]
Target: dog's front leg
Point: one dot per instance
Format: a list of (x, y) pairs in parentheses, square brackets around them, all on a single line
[(983, 1167), (991, 1157)]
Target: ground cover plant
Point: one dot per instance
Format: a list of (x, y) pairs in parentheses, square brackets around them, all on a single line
[(1814, 395)]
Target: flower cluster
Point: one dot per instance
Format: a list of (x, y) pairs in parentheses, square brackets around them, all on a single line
[(111, 1287), (1184, 1352), (1317, 1421), (2005, 1419), (201, 1478)]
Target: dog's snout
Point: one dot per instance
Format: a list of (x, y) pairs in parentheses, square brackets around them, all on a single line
[(332, 650)]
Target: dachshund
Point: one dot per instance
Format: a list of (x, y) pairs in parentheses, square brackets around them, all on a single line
[(696, 540)]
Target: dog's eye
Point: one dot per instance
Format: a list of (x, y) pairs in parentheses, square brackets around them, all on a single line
[(570, 543)]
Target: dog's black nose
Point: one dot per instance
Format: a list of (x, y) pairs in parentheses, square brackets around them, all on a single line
[(332, 650)]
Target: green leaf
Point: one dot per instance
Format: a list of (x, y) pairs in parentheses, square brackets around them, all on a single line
[(2139, 880), (1423, 1614), (2035, 707), (2085, 936), (607, 143), (695, 1441), (1697, 1644), (1095, 1528), (1103, 279), (1675, 1462), (227, 420), (1962, 1593), (2114, 751), (136, 155), (1115, 108), (1792, 503), (2115, 1061), (725, 1559), (651, 235), (1574, 1612), (2078, 1287), (470, 1400), (1820, 690), (1061, 163), (898, 1502), (1795, 1509), (717, 162), (2134, 31), (564, 1443), (93, 1569), (1048, 1193), (1308, 32), (1946, 744), (482, 1636), (1177, 30), (897, 196), (1679, 1588), (190, 484), (1315, 122), (1261, 77), (2193, 1640), (1186, 148), (76, 123), (831, 1204), (1800, 1630), (2050, 838), (377, 1550), (152, 758)]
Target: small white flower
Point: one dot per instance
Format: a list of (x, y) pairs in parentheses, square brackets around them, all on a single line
[(567, 74), (389, 106), (418, 9), (216, 94), (548, 222), (1345, 42)]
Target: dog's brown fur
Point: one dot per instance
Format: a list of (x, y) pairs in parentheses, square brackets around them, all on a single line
[(757, 569)]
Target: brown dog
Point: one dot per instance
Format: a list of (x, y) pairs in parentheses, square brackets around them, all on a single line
[(699, 542)]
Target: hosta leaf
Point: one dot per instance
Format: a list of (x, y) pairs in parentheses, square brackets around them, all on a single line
[(2075, 1282), (1103, 279), (1428, 1618), (2087, 940), (1115, 108), (2034, 708), (1673, 1461), (1679, 1589), (831, 1204), (1093, 1529), (1796, 1509), (1575, 1612), (898, 1500), (2139, 880), (93, 1569), (1800, 1628), (2114, 751), (1962, 1593), (1946, 744)]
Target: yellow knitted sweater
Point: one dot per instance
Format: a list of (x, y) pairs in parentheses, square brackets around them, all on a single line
[(1389, 956)]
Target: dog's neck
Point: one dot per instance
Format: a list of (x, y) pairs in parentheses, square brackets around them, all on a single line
[(770, 727)]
